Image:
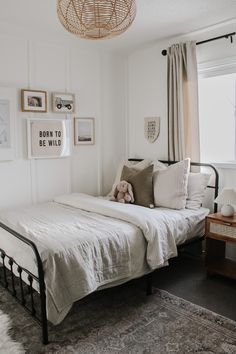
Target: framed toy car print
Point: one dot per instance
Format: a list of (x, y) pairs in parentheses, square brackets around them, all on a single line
[(63, 102)]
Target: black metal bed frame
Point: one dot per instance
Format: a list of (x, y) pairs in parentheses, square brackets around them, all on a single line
[(9, 267)]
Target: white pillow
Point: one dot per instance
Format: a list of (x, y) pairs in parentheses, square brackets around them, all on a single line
[(197, 183), (170, 185), (138, 166), (158, 165)]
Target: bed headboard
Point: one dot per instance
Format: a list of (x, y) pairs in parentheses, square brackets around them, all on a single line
[(214, 184)]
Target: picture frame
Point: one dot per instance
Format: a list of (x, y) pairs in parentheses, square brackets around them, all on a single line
[(48, 138), (33, 101), (84, 131), (7, 123), (63, 102)]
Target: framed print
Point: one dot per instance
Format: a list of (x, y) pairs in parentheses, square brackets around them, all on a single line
[(7, 123), (33, 101), (63, 102), (48, 138), (84, 131)]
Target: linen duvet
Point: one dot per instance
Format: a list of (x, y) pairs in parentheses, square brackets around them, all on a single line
[(88, 243)]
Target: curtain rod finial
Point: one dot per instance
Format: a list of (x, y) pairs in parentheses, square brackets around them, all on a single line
[(164, 52)]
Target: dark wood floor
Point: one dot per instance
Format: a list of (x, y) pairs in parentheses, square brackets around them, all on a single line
[(186, 277)]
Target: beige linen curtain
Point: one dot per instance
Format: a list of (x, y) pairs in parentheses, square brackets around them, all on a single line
[(183, 121)]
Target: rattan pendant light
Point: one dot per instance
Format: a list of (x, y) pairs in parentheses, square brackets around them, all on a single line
[(96, 19)]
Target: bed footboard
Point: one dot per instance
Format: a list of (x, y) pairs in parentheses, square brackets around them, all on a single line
[(11, 278)]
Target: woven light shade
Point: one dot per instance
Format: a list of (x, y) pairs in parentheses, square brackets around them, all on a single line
[(96, 19)]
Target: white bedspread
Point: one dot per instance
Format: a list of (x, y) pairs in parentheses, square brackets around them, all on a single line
[(157, 231), (85, 244)]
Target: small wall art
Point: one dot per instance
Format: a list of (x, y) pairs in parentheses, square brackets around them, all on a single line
[(48, 138), (63, 102), (7, 122), (84, 131), (33, 101), (151, 128)]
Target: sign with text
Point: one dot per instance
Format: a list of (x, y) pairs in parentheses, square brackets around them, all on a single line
[(47, 138)]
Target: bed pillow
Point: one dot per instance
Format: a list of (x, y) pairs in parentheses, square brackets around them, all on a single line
[(141, 182), (137, 166), (197, 184), (158, 165), (170, 185)]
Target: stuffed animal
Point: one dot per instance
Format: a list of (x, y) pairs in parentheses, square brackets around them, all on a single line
[(123, 193)]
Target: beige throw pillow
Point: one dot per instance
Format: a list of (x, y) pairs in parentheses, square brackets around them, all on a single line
[(142, 184), (170, 185), (138, 166)]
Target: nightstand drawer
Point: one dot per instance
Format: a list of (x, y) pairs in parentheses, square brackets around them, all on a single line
[(221, 229)]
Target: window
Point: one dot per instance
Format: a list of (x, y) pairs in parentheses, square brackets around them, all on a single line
[(217, 116)]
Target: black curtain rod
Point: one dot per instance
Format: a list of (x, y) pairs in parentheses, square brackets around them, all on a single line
[(227, 36)]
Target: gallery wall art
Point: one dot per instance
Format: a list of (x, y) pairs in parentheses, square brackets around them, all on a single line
[(48, 138), (63, 102), (7, 123), (33, 101), (84, 131)]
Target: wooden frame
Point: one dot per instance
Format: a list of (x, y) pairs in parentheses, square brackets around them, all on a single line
[(84, 131), (33, 101), (63, 102), (7, 123), (48, 138)]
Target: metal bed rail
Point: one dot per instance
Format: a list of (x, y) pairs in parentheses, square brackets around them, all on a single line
[(9, 265)]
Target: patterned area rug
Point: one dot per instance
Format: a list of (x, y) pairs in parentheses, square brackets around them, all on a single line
[(7, 345), (124, 320)]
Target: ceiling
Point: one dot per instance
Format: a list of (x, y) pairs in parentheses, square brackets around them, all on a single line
[(155, 20)]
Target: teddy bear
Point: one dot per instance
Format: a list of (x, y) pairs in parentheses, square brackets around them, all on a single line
[(123, 193)]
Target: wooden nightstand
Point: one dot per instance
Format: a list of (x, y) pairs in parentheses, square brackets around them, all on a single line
[(219, 230)]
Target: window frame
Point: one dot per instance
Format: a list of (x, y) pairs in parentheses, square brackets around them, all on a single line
[(214, 68)]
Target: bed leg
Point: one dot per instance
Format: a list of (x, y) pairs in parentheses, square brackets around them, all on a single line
[(149, 284), (44, 332), (44, 321)]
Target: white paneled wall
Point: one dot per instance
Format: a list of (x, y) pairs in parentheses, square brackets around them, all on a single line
[(53, 66), (147, 82), (86, 81)]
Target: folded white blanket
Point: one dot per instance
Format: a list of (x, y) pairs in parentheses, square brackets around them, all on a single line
[(157, 230)]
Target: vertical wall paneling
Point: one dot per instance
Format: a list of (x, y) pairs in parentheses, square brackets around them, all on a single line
[(85, 82), (32, 162), (70, 117), (39, 64), (126, 108)]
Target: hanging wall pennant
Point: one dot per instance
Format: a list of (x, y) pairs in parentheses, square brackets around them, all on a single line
[(151, 128)]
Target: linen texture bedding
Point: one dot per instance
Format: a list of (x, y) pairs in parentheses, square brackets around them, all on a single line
[(87, 243)]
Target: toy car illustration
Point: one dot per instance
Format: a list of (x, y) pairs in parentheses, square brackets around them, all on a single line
[(59, 102)]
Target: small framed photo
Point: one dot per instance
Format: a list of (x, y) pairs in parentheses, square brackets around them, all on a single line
[(33, 101), (84, 131), (63, 102)]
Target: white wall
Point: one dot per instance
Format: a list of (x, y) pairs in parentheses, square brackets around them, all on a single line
[(114, 113), (147, 94), (50, 65), (147, 81)]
